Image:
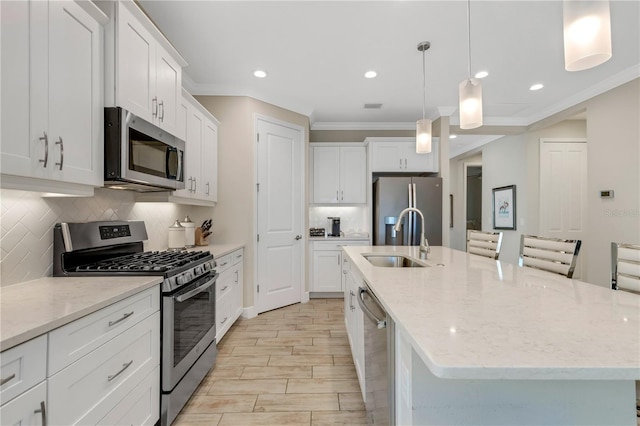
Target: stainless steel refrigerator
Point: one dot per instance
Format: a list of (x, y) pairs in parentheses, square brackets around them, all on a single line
[(393, 194)]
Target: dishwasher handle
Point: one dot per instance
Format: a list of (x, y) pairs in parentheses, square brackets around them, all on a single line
[(381, 323)]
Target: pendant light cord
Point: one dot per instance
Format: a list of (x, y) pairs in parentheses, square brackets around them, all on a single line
[(424, 85), (469, 37)]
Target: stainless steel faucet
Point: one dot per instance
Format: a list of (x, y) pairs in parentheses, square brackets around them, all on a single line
[(424, 244)]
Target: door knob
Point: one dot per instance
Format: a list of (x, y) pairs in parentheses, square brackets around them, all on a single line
[(298, 237)]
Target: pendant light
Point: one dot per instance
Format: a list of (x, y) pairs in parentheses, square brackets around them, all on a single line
[(587, 33), (470, 90), (423, 127)]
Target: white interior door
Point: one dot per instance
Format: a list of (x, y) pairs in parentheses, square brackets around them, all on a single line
[(279, 211), (563, 190)]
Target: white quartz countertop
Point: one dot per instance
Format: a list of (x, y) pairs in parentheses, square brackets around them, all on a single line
[(477, 318), (218, 250), (32, 308), (345, 238)]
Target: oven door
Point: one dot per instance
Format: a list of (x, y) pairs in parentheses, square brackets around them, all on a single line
[(188, 327)]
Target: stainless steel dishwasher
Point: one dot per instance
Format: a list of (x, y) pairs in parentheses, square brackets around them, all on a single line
[(379, 359)]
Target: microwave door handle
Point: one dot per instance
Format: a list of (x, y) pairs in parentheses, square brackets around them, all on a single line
[(167, 157)]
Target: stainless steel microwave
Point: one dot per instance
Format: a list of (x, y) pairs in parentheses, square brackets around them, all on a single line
[(140, 156)]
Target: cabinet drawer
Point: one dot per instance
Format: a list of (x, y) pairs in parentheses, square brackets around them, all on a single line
[(90, 388), (74, 340), (223, 315), (22, 367), (22, 410), (140, 406), (224, 283), (237, 256), (223, 263)]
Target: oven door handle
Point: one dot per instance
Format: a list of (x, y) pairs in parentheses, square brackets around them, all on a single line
[(188, 295)]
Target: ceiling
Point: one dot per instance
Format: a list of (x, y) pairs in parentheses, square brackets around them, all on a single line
[(316, 54)]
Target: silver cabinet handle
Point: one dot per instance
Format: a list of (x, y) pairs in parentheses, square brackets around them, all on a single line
[(405, 163), (154, 106), (224, 320), (190, 184), (124, 317), (195, 185), (161, 107), (7, 379), (337, 197), (61, 143), (342, 196), (351, 294), (43, 413), (124, 367), (45, 138), (238, 256), (223, 289), (223, 264), (298, 237), (237, 279), (207, 188)]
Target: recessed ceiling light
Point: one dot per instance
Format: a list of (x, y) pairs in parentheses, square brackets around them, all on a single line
[(260, 73), (370, 74), (453, 136), (481, 74), (536, 86)]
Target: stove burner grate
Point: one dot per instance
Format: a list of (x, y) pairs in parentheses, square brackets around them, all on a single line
[(153, 261)]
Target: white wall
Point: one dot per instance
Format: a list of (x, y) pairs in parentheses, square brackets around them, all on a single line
[(612, 130), (502, 165), (27, 220), (458, 234)]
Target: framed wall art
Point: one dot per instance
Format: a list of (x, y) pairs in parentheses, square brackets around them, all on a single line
[(504, 207)]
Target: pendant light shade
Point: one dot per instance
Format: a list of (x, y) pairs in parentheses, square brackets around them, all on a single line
[(423, 136), (470, 90), (470, 104), (587, 34), (423, 127)]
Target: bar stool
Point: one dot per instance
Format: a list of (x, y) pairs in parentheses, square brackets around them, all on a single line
[(486, 244), (625, 267), (549, 254)]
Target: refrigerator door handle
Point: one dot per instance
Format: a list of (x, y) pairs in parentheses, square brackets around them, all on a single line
[(409, 239)]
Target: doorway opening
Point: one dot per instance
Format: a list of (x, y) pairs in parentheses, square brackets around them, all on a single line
[(473, 196)]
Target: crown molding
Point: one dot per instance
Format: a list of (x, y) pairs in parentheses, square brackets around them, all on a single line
[(463, 149), (364, 125)]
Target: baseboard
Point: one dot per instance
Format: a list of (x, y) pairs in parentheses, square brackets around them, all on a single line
[(326, 295), (305, 297), (250, 312)]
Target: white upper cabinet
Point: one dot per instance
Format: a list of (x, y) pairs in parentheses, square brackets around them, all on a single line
[(339, 174), (200, 130), (399, 155), (146, 75), (52, 95)]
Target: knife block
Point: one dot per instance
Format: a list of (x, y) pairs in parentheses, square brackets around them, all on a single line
[(200, 240)]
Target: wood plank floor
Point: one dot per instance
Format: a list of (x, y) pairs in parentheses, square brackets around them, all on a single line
[(290, 366)]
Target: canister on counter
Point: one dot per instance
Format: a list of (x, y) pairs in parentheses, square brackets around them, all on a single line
[(176, 236), (189, 232)]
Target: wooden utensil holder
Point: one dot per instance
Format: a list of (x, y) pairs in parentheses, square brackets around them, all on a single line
[(200, 240)]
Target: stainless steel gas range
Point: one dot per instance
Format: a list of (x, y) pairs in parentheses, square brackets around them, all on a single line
[(188, 329)]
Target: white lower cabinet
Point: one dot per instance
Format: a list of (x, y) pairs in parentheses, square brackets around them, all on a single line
[(87, 390), (27, 409), (326, 268), (103, 368), (229, 291), (354, 323)]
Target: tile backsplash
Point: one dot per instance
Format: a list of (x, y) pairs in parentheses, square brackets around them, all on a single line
[(27, 220), (352, 219)]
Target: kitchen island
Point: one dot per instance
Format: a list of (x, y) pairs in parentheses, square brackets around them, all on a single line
[(480, 341)]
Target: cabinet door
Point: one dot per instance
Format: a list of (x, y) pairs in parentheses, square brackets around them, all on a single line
[(327, 271), (387, 157), (75, 94), (168, 90), (135, 74), (209, 159), (20, 153), (326, 174), (193, 146), (420, 162), (353, 174), (237, 290), (26, 409)]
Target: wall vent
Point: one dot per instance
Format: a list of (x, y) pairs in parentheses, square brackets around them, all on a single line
[(372, 106)]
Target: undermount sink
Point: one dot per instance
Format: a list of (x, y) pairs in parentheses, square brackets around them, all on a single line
[(393, 261)]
